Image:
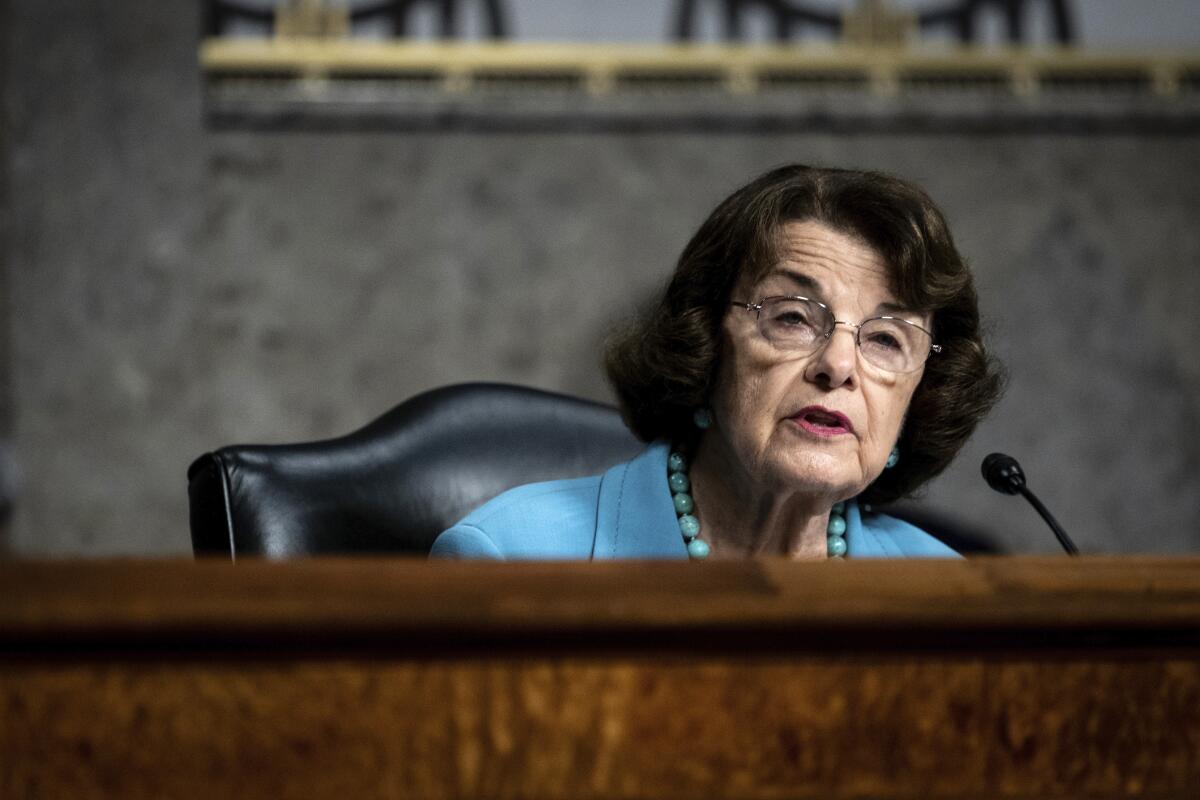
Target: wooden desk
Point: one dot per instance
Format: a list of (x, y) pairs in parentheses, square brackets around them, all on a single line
[(1014, 678)]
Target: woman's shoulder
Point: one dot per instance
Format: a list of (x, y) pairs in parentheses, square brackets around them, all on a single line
[(548, 520), (883, 536)]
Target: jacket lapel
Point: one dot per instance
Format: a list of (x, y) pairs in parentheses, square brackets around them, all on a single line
[(861, 540), (634, 514)]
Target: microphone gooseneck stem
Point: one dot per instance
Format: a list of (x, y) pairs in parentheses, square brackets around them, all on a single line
[(1063, 539)]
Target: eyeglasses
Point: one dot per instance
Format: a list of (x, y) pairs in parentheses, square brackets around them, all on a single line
[(800, 325)]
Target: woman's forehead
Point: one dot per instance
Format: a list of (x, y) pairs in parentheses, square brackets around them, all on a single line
[(812, 257), (814, 245)]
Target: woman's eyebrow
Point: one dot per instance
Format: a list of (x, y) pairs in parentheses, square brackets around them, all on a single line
[(812, 286), (804, 282)]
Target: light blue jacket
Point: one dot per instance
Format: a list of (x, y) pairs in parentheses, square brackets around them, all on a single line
[(627, 513)]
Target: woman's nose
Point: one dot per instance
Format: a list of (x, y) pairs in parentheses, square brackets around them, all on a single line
[(836, 362)]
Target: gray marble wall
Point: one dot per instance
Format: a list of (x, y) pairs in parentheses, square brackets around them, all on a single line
[(172, 289)]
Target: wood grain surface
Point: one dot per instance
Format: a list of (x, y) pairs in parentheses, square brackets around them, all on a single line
[(1015, 678)]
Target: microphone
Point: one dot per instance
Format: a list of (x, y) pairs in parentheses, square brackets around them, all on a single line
[(1004, 474)]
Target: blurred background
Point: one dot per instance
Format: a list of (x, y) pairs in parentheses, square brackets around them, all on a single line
[(221, 222)]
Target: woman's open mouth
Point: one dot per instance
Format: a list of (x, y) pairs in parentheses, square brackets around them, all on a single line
[(821, 421)]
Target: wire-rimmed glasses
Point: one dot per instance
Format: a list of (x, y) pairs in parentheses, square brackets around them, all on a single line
[(801, 326)]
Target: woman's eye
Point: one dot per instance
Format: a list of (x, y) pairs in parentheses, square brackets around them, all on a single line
[(886, 340), (791, 318)]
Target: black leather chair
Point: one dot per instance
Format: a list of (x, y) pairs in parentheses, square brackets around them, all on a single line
[(393, 485)]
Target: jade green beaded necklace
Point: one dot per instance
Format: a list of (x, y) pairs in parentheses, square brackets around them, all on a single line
[(689, 526)]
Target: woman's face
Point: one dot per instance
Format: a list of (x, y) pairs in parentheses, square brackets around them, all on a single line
[(775, 413)]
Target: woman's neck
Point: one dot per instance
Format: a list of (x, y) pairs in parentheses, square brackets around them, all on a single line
[(739, 518)]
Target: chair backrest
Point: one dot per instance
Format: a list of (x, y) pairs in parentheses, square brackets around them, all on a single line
[(393, 485)]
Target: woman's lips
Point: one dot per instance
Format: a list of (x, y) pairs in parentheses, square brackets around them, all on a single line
[(821, 421)]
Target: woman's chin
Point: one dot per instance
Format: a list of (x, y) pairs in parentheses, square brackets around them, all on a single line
[(822, 474)]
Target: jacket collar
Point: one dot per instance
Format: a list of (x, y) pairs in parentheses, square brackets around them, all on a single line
[(635, 517), (861, 542)]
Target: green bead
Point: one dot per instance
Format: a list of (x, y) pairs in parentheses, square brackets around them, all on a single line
[(697, 548), (679, 482), (837, 525), (839, 508), (836, 546), (676, 463), (684, 503), (689, 526)]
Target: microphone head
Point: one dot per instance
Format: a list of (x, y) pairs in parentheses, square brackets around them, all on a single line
[(1003, 473)]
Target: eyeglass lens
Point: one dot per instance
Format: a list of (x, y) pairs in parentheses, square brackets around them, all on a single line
[(797, 324)]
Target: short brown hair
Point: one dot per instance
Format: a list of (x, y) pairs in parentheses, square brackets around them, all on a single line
[(664, 365)]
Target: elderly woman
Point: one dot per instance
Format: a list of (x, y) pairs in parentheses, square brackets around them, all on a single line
[(816, 352)]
